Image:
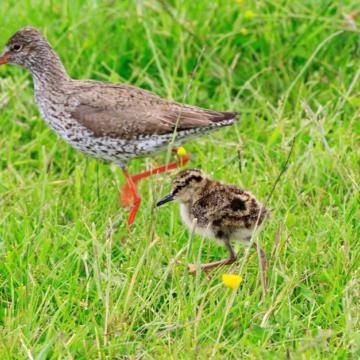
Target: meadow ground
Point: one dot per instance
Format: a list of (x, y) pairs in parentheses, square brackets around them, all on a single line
[(76, 283)]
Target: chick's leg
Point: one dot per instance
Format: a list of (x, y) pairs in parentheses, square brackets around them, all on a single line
[(207, 267)]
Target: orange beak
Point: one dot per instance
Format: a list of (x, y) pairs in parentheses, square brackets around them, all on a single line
[(4, 59)]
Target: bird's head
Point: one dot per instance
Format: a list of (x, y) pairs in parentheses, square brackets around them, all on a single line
[(186, 185), (27, 48)]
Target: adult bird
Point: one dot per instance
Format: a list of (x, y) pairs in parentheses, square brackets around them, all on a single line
[(112, 122)]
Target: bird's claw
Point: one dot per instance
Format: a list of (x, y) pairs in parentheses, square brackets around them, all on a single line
[(192, 269), (126, 197)]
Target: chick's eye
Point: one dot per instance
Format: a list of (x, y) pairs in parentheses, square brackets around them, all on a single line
[(16, 47)]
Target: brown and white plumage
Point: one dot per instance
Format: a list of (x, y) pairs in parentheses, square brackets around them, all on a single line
[(222, 211), (127, 112), (114, 122)]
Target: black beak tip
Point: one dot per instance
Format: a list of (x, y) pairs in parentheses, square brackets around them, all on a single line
[(165, 199)]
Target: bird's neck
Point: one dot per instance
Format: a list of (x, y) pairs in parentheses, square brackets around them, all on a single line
[(48, 71)]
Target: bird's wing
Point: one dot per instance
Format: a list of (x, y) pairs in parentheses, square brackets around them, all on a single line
[(229, 206), (128, 112)]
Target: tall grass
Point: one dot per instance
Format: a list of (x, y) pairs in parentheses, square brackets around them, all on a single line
[(77, 283)]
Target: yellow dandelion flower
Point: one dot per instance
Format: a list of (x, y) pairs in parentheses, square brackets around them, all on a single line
[(243, 31), (239, 1), (181, 151), (249, 14), (232, 281)]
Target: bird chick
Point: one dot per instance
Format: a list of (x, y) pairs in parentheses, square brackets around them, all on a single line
[(223, 212)]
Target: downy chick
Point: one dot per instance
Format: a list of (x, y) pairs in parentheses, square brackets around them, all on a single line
[(223, 212)]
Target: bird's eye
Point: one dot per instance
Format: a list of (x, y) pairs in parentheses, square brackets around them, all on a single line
[(17, 47)]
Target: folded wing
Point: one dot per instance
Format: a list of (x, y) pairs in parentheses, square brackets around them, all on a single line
[(126, 112)]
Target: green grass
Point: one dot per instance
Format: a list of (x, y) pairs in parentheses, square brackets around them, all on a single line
[(76, 283)]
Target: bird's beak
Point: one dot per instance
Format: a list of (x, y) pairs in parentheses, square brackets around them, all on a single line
[(165, 199), (4, 59)]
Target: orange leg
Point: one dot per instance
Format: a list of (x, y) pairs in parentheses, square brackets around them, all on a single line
[(129, 193)]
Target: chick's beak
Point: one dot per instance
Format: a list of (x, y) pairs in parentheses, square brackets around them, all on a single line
[(4, 59), (165, 199)]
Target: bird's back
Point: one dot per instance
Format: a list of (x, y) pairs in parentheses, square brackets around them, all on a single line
[(127, 112), (228, 211)]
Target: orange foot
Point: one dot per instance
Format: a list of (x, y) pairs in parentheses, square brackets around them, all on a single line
[(127, 196)]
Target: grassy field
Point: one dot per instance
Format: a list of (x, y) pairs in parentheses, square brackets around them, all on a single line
[(77, 283)]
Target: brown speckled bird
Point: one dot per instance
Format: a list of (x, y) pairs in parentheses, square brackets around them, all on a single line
[(222, 211), (113, 122)]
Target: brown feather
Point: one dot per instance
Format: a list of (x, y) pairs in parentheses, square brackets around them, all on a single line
[(223, 208), (125, 112)]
